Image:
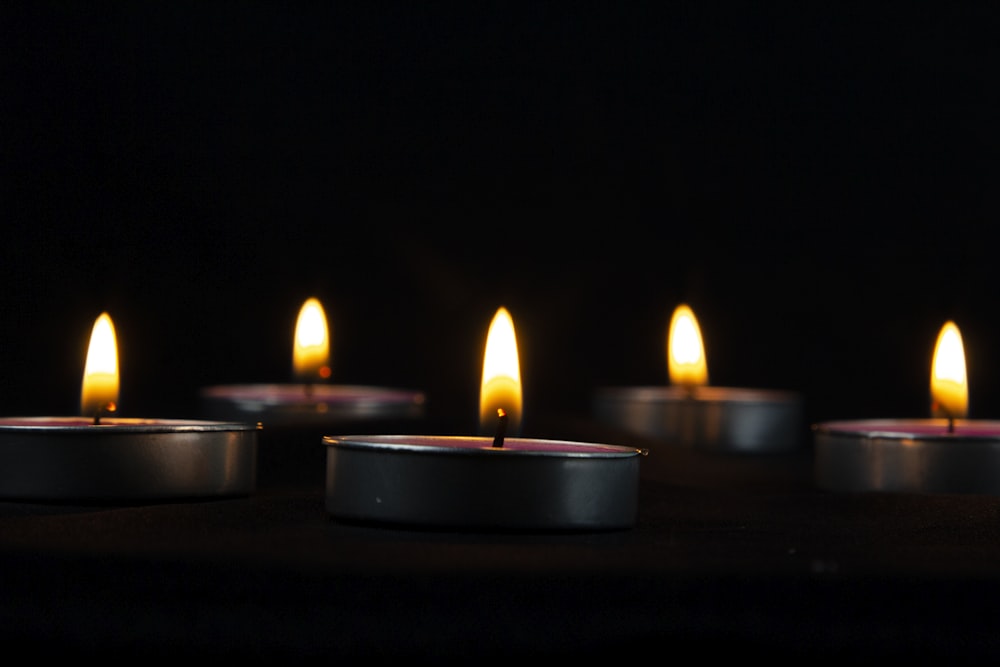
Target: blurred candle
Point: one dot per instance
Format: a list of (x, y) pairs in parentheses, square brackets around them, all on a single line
[(296, 415), (312, 401), (692, 413), (946, 453)]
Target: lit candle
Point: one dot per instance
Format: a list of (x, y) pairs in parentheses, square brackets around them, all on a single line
[(97, 457), (296, 415), (946, 453), (484, 482), (690, 412), (312, 401)]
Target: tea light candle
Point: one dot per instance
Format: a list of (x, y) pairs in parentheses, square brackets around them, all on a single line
[(945, 453), (98, 457), (481, 482), (295, 416), (311, 402), (691, 413)]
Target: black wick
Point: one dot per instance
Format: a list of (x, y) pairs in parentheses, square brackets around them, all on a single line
[(108, 407), (947, 415), (501, 428)]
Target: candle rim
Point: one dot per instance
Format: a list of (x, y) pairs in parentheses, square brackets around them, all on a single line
[(50, 425), (273, 391), (479, 446), (896, 429), (701, 394), (282, 405)]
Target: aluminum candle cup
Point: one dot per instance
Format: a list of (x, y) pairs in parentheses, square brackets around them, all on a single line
[(105, 458), (947, 453), (468, 483), (295, 417), (909, 456), (313, 401), (716, 419), (691, 413), (71, 458)]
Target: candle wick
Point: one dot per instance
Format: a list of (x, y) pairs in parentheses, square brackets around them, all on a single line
[(501, 428), (108, 407), (947, 415)]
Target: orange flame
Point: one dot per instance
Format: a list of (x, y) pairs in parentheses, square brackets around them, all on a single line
[(99, 392), (500, 392)]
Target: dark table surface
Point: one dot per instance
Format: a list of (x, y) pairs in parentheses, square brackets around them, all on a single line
[(730, 555)]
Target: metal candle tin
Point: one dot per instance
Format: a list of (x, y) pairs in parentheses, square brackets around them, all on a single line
[(718, 419), (303, 405), (63, 459), (466, 483), (909, 456), (295, 417)]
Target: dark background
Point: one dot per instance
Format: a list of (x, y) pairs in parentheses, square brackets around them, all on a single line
[(818, 183)]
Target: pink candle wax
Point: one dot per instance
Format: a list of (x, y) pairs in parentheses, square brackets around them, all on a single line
[(305, 405), (85, 424)]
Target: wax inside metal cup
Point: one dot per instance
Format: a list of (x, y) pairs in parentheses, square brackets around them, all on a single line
[(299, 405), (465, 482), (63, 459), (718, 419), (908, 456)]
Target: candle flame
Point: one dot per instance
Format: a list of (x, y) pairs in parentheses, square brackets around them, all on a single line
[(949, 385), (686, 361), (311, 355), (500, 392), (100, 373)]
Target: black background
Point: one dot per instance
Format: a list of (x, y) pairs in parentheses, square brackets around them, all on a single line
[(817, 182)]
